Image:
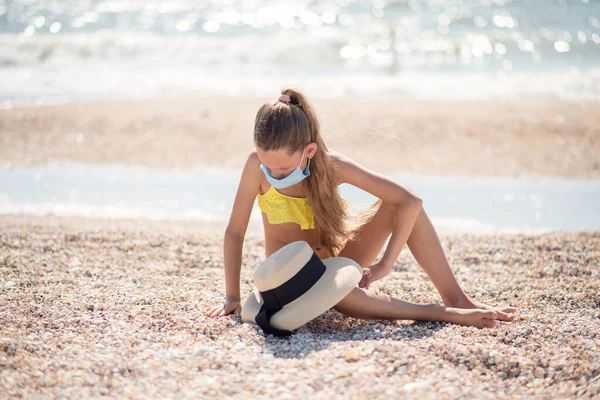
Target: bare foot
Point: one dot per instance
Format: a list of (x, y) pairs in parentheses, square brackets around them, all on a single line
[(504, 314), (473, 317)]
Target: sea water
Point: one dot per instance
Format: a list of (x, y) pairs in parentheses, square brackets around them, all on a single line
[(54, 51), (455, 204)]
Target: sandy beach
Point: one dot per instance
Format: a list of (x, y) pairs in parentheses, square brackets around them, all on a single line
[(93, 307), (467, 137), (90, 310)]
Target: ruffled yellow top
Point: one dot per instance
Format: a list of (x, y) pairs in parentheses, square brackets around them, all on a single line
[(281, 208)]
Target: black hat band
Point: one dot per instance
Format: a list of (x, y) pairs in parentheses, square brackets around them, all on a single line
[(274, 299)]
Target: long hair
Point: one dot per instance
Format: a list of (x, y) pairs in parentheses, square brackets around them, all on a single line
[(292, 126)]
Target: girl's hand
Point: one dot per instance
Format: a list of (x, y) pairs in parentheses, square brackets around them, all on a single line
[(372, 274), (231, 305)]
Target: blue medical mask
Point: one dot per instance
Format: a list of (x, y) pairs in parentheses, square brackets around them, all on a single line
[(295, 177)]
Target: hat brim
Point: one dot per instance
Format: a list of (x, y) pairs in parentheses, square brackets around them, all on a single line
[(341, 276)]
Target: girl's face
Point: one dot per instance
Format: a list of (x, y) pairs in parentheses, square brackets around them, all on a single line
[(281, 164)]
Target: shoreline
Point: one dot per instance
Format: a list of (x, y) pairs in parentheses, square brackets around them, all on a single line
[(540, 98), (215, 170), (132, 225), (510, 138), (69, 223)]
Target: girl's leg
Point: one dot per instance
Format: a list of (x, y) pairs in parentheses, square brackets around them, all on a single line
[(364, 304), (367, 246), (425, 246)]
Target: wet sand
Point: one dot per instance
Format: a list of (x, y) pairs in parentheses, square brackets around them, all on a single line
[(493, 137)]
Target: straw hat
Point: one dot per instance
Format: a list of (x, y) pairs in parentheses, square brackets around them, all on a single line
[(294, 286)]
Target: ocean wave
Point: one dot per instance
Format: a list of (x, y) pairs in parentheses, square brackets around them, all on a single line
[(110, 49), (325, 48)]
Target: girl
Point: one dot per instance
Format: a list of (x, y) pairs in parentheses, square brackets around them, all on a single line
[(296, 178)]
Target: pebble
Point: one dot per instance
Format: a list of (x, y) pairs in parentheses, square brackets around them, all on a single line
[(75, 262), (93, 307), (352, 354), (136, 309), (201, 351), (11, 349)]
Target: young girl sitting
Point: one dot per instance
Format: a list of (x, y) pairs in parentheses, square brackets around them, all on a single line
[(296, 178)]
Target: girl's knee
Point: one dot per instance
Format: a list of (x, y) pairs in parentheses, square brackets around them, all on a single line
[(356, 303), (349, 301)]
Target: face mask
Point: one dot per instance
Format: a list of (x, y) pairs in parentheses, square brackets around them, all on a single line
[(295, 177)]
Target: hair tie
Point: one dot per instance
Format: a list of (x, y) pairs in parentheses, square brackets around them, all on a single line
[(285, 98)]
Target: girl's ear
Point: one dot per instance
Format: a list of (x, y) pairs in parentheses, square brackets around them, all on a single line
[(311, 150)]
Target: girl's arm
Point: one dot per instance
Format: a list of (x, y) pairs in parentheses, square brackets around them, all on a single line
[(379, 185), (247, 191), (233, 265)]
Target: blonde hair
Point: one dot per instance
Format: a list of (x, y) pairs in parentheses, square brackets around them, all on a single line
[(292, 126)]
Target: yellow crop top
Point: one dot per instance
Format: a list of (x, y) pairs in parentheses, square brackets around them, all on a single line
[(281, 208)]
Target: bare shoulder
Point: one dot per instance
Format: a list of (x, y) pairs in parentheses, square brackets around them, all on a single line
[(252, 167), (253, 157), (338, 160), (248, 188), (337, 156), (343, 165)]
